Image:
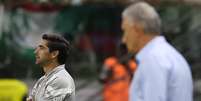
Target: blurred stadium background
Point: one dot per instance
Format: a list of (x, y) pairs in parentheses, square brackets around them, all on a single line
[(93, 28)]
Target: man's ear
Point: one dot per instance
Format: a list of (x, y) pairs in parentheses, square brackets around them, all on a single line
[(54, 54), (139, 28)]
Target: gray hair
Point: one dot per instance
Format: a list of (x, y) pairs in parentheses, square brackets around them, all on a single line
[(144, 15)]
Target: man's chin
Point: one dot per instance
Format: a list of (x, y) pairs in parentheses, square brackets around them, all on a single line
[(39, 63), (132, 52)]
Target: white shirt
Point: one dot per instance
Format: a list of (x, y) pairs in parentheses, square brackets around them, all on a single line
[(57, 85), (162, 74)]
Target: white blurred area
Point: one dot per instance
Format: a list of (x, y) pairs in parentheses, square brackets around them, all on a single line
[(25, 26)]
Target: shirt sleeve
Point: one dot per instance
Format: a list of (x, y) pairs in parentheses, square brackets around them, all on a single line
[(58, 98), (59, 94), (67, 97), (33, 91), (70, 97)]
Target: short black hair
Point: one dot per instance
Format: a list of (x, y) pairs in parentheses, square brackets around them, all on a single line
[(58, 43)]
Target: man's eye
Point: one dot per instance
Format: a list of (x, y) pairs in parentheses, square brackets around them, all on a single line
[(41, 47)]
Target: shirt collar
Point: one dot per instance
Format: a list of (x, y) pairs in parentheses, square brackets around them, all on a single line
[(147, 48), (56, 69)]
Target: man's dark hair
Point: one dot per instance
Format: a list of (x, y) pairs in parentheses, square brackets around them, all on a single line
[(58, 43)]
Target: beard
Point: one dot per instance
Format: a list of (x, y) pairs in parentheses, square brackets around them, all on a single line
[(41, 61)]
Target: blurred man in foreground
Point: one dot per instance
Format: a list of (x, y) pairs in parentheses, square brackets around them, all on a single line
[(56, 84), (162, 73), (116, 74)]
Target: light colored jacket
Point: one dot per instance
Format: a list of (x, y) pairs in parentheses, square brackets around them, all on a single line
[(57, 85)]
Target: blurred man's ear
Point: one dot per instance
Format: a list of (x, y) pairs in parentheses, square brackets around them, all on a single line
[(54, 54), (139, 28)]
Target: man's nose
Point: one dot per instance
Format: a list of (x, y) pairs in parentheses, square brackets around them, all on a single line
[(123, 39)]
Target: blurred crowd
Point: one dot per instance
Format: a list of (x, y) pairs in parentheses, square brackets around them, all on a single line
[(93, 27)]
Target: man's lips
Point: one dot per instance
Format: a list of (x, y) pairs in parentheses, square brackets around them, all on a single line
[(37, 57)]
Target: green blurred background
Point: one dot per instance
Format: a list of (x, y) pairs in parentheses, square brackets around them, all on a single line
[(93, 28)]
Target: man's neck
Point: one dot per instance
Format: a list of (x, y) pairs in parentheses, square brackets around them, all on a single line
[(49, 67)]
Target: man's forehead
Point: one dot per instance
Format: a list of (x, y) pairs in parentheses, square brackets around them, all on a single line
[(42, 42)]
